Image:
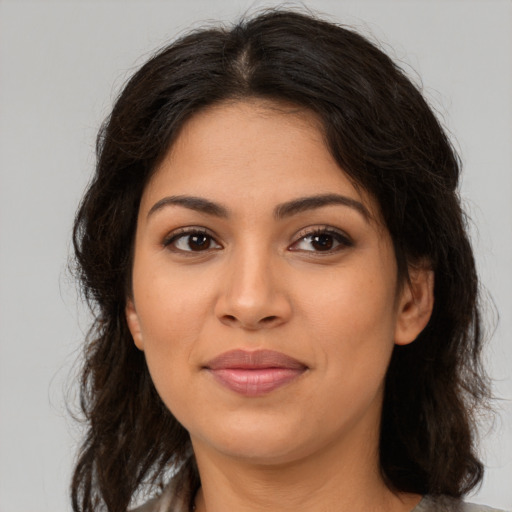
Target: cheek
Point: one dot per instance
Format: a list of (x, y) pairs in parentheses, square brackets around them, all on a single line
[(172, 313), (354, 303), (171, 306), (353, 324)]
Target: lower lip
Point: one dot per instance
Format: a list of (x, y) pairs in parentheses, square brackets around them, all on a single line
[(255, 382)]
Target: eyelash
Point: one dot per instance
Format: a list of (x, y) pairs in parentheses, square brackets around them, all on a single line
[(188, 232), (340, 238)]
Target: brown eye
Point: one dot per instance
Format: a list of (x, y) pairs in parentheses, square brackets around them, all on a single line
[(194, 241), (322, 241), (199, 242)]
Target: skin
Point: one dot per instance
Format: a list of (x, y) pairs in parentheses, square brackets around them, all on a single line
[(262, 282)]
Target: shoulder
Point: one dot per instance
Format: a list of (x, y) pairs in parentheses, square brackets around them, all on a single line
[(445, 504), (470, 507), (178, 494), (174, 498), (149, 506), (163, 503), (166, 502), (156, 505)]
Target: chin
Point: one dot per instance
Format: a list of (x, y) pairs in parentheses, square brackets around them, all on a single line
[(252, 440)]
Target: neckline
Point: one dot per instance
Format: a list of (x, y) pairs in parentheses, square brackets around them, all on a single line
[(420, 507)]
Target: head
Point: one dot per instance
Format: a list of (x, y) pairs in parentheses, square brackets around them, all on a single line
[(377, 128)]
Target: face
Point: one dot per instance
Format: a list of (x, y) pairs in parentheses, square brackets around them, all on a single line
[(265, 293)]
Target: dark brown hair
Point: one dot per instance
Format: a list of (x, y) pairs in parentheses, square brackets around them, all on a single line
[(385, 137)]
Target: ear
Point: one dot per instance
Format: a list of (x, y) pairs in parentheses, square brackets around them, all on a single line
[(414, 305), (132, 319)]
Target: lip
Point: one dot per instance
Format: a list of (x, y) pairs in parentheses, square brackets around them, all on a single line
[(254, 373)]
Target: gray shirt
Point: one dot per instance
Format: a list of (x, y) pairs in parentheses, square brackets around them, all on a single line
[(444, 504), (178, 496), (171, 502)]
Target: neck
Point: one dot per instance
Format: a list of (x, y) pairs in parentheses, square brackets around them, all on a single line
[(337, 478)]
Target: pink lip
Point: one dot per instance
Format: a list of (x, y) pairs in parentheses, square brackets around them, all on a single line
[(254, 373)]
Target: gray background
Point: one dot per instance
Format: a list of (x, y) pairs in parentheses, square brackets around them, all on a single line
[(61, 64)]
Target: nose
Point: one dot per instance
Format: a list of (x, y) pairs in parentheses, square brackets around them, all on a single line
[(252, 296)]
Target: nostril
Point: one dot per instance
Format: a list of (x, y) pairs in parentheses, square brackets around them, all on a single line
[(232, 319)]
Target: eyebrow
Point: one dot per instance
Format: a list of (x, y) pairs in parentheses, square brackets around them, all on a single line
[(198, 204), (281, 211), (312, 202)]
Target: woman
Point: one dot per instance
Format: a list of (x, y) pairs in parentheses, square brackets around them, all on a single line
[(285, 295)]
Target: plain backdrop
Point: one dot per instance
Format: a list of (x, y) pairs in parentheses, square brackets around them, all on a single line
[(61, 65)]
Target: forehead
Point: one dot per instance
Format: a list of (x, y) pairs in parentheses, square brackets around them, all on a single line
[(251, 152)]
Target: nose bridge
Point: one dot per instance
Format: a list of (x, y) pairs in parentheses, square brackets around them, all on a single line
[(252, 296), (250, 283)]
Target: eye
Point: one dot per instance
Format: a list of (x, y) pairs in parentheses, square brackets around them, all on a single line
[(191, 240), (325, 240)]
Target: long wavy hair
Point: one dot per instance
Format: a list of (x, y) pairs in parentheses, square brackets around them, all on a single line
[(385, 137)]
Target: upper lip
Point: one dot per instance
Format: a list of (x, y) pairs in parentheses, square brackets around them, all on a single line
[(253, 360)]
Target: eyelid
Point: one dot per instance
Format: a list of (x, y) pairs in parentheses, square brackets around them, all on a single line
[(343, 239), (188, 230)]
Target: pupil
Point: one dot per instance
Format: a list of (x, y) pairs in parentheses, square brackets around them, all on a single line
[(198, 242), (322, 242)]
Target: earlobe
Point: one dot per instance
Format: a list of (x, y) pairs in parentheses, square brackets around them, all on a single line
[(415, 306), (132, 320)]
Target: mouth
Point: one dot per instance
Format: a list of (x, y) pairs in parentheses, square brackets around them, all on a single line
[(254, 373)]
